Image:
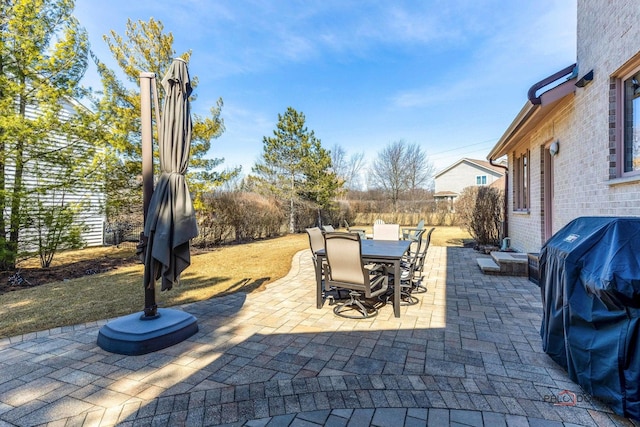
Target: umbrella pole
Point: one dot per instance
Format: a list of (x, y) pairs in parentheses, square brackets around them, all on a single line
[(136, 334), (150, 307)]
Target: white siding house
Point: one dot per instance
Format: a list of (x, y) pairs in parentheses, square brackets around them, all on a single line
[(573, 149), (39, 173), (450, 181)]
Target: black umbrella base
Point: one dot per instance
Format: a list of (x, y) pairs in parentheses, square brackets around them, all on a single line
[(131, 335)]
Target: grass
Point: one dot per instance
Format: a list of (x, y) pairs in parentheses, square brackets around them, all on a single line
[(450, 236), (239, 268)]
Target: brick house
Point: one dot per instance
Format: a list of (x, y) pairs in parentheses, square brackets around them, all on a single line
[(573, 150)]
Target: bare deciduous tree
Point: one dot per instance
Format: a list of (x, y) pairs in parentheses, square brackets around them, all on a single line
[(420, 170), (400, 167), (347, 168)]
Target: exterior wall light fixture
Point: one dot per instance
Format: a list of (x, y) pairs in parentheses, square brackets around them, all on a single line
[(585, 80), (554, 148)]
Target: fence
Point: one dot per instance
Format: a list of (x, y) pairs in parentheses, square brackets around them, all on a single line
[(121, 233)]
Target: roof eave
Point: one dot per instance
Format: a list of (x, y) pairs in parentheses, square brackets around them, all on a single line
[(502, 146), (527, 114), (467, 160)]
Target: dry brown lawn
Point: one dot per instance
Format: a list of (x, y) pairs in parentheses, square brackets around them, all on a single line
[(238, 268)]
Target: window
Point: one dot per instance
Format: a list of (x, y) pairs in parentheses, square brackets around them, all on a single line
[(624, 121), (521, 182), (481, 180), (631, 128)]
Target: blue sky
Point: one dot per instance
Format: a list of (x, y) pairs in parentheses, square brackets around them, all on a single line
[(449, 75)]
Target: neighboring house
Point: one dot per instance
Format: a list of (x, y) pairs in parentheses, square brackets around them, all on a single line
[(92, 214), (450, 181), (573, 150)]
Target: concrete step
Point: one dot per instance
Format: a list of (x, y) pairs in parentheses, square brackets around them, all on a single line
[(488, 266), (509, 257), (505, 264), (512, 263)]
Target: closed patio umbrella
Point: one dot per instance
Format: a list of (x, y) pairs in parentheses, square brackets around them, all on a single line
[(170, 221)]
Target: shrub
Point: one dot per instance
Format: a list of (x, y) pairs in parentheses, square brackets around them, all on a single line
[(338, 214), (54, 227), (307, 215), (479, 210), (238, 216)]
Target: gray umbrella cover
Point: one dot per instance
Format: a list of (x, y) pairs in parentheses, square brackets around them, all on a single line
[(171, 220)]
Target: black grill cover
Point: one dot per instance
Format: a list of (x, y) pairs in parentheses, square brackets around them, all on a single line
[(590, 284)]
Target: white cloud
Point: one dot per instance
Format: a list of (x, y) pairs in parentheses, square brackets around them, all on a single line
[(254, 36), (437, 94), (458, 58), (517, 52)]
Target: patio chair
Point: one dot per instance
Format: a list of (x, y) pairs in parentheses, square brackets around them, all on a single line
[(386, 231), (411, 233), (406, 281), (378, 221), (347, 271), (328, 228), (420, 261), (316, 243), (360, 231)]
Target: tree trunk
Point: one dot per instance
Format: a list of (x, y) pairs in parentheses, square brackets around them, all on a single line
[(3, 226), (292, 213), (16, 198), (292, 217)]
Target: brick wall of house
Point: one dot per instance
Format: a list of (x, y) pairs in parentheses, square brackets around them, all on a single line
[(608, 36), (526, 229)]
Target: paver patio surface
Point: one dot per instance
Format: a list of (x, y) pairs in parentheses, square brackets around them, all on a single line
[(469, 353)]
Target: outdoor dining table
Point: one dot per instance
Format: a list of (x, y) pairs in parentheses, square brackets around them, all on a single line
[(373, 251)]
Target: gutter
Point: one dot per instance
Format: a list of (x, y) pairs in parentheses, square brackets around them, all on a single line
[(505, 208), (529, 112), (536, 102), (571, 72)]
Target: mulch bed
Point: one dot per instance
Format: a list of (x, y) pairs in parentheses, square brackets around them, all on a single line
[(29, 277)]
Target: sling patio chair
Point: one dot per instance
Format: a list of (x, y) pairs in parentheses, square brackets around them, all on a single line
[(328, 228), (420, 262), (377, 221), (347, 271), (316, 243), (406, 281), (386, 232)]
